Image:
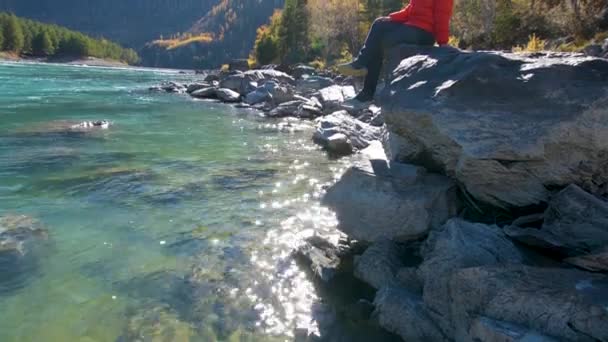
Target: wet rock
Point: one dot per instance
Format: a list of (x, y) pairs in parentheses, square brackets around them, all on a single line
[(457, 245), (197, 86), (271, 91), (259, 95), (333, 96), (593, 50), (564, 303), (227, 95), (332, 128), (205, 93), (575, 224), (377, 199), (86, 125), (158, 324), (289, 108), (403, 313), (452, 107), (322, 257), (173, 87), (379, 264), (21, 240), (487, 329)]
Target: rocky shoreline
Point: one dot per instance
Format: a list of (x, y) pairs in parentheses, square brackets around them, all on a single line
[(477, 205)]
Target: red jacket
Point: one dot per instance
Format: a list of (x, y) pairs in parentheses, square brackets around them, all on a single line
[(430, 15)]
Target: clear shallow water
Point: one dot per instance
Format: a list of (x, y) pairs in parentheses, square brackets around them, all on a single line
[(176, 223)]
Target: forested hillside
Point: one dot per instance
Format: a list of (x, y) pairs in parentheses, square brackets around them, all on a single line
[(129, 22), (21, 36), (226, 32)]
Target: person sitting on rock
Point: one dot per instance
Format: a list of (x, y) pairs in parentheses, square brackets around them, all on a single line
[(422, 22)]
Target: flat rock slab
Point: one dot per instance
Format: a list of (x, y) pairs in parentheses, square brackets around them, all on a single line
[(376, 200), (506, 126)]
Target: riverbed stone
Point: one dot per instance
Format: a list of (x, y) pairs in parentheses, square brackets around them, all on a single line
[(405, 314), (507, 126), (460, 244), (379, 264), (377, 199), (567, 304), (338, 125)]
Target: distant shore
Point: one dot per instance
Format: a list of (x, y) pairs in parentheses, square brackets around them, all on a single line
[(91, 61)]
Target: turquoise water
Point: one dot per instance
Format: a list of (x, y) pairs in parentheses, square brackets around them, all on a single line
[(175, 224)]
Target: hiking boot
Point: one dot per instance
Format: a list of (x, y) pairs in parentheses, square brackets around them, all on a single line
[(359, 102), (352, 69)]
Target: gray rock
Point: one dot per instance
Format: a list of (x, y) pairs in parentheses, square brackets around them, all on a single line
[(379, 264), (210, 78), (566, 304), (234, 81), (333, 96), (279, 93), (259, 95), (403, 313), (459, 244), (89, 125), (408, 278), (593, 50), (506, 126), (196, 86), (359, 134), (576, 224), (303, 70), (338, 144), (594, 261), (377, 199), (289, 108), (227, 95), (605, 44), (322, 257), (487, 329), (267, 75), (205, 93)]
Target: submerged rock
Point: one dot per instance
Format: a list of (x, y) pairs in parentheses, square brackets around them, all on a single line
[(342, 134), (377, 199), (506, 126), (158, 324), (575, 226), (85, 125), (457, 245), (322, 257), (21, 238), (566, 304)]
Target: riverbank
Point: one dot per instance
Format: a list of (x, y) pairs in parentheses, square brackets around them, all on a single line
[(478, 201)]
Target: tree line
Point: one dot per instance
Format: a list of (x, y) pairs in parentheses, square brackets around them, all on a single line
[(331, 31), (32, 38)]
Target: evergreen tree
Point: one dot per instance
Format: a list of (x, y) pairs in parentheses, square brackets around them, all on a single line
[(42, 44), (293, 32), (1, 38), (13, 35)]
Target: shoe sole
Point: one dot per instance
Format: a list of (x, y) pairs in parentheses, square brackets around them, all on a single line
[(350, 71)]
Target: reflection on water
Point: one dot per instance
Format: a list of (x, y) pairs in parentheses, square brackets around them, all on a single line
[(175, 224)]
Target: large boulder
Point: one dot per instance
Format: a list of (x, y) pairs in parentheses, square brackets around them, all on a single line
[(205, 93), (333, 96), (457, 245), (507, 126), (567, 304), (377, 199), (342, 134), (227, 95), (575, 226)]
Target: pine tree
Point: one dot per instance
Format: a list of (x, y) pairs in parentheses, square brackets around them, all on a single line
[(293, 32), (1, 39), (13, 35), (42, 44)]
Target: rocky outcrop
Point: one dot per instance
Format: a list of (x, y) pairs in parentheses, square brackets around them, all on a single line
[(508, 127), (575, 226), (377, 199), (459, 245), (379, 264)]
